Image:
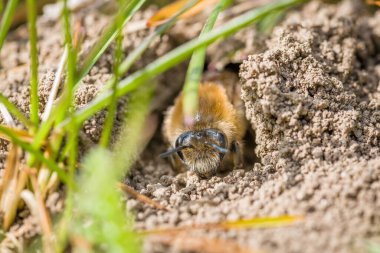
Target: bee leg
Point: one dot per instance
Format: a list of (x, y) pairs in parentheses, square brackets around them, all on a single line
[(237, 155), (176, 164)]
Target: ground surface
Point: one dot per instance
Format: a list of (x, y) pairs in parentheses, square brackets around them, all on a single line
[(313, 98)]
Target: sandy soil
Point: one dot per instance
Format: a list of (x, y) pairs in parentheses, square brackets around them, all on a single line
[(313, 99)]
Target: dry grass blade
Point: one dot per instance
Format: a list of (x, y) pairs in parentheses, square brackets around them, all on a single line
[(127, 189), (81, 244), (48, 180), (43, 178), (33, 206), (6, 115), (44, 216), (53, 182), (22, 134), (10, 238), (8, 109), (55, 87), (14, 181), (263, 222), (77, 42), (184, 243), (168, 11), (8, 180), (373, 2), (9, 132)]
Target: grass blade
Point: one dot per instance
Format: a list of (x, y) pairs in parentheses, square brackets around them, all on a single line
[(127, 63), (21, 134), (15, 111), (167, 11), (108, 125), (110, 33), (6, 116), (176, 56), (32, 25), (127, 189), (373, 247), (255, 223), (29, 148), (6, 21), (99, 48), (55, 86), (121, 68), (194, 72), (9, 194), (107, 224)]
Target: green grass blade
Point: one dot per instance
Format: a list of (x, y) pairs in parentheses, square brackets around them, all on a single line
[(137, 52), (1, 6), (108, 125), (109, 35), (63, 107), (15, 111), (97, 204), (178, 55), (123, 67), (109, 225), (373, 247), (127, 146), (127, 63), (27, 147), (89, 61), (266, 25), (32, 25), (195, 70), (6, 21)]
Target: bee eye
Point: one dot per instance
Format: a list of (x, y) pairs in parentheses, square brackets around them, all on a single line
[(183, 140), (218, 136)]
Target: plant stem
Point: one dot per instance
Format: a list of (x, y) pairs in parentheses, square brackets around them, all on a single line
[(110, 33), (6, 21), (108, 125), (194, 72), (89, 61), (27, 147), (127, 63), (32, 25), (15, 111)]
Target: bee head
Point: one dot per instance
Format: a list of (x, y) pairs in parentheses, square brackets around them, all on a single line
[(201, 151)]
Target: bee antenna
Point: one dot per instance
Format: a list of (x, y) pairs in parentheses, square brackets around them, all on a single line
[(172, 151), (218, 148)]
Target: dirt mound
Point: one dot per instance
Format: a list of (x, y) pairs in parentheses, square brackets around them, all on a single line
[(313, 100)]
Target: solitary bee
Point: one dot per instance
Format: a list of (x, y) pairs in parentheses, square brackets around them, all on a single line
[(213, 142)]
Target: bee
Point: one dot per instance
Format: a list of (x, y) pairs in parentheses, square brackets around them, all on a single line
[(213, 142)]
